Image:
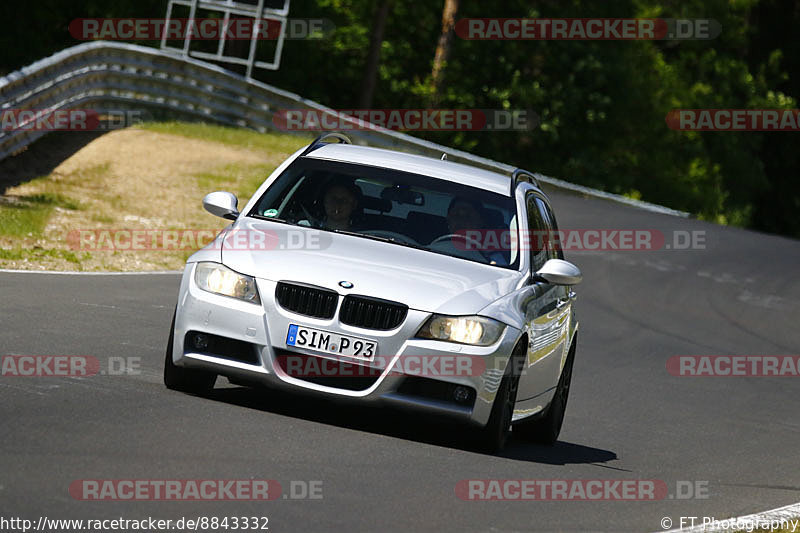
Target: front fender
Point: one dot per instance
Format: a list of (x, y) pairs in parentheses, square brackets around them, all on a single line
[(510, 308), (212, 251)]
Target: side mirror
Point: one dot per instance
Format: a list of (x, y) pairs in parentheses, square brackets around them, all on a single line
[(222, 204), (559, 272)]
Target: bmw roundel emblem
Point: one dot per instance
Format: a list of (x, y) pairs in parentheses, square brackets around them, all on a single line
[(345, 285)]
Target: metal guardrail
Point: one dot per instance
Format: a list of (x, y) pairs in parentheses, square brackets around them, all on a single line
[(104, 75)]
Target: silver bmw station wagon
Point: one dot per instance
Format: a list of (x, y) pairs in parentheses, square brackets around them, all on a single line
[(378, 276)]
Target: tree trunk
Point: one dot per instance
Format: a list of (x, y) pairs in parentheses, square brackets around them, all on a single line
[(443, 48), (374, 55)]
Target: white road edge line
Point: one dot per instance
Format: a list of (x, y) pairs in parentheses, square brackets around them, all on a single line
[(76, 273), (790, 513)]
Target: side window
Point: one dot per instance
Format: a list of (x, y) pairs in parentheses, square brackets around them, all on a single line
[(554, 250), (536, 229)]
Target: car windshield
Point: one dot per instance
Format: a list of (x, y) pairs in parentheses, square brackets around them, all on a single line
[(406, 209)]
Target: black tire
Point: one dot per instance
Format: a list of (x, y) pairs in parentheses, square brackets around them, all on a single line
[(185, 379), (494, 436), (545, 429)]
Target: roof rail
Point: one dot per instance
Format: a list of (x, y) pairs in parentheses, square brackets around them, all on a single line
[(320, 141), (520, 175)]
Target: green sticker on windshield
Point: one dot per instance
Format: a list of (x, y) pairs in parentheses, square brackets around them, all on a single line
[(271, 213)]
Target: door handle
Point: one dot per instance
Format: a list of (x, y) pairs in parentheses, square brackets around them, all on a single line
[(561, 303)]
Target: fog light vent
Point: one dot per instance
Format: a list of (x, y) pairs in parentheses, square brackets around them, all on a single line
[(462, 394), (201, 341)]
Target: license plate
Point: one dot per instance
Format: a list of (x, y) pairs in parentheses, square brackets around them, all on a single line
[(329, 342)]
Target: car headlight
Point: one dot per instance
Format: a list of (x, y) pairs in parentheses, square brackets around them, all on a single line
[(475, 330), (219, 279)]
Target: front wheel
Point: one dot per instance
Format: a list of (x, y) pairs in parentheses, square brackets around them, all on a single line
[(494, 436), (546, 428), (185, 379)]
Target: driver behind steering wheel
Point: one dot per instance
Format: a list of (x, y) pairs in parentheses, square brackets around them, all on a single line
[(337, 208)]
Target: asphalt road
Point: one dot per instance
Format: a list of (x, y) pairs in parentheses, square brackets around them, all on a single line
[(628, 418)]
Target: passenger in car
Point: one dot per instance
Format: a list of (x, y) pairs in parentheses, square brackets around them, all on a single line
[(465, 214)]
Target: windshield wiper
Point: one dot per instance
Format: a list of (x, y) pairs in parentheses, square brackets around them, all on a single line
[(365, 235), (272, 219), (391, 240)]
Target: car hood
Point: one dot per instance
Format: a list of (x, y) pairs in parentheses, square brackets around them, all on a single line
[(422, 280)]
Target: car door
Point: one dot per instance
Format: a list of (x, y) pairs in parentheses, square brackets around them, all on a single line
[(545, 312), (563, 294)]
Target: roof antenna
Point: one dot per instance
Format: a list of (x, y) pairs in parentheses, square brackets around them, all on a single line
[(444, 157)]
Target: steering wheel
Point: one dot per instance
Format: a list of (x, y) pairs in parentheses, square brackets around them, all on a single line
[(311, 218), (391, 235), (478, 244)]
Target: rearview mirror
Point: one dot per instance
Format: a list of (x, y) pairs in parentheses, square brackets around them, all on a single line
[(559, 272), (222, 204), (403, 195)]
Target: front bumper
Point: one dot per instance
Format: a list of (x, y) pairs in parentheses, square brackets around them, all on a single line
[(249, 345)]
